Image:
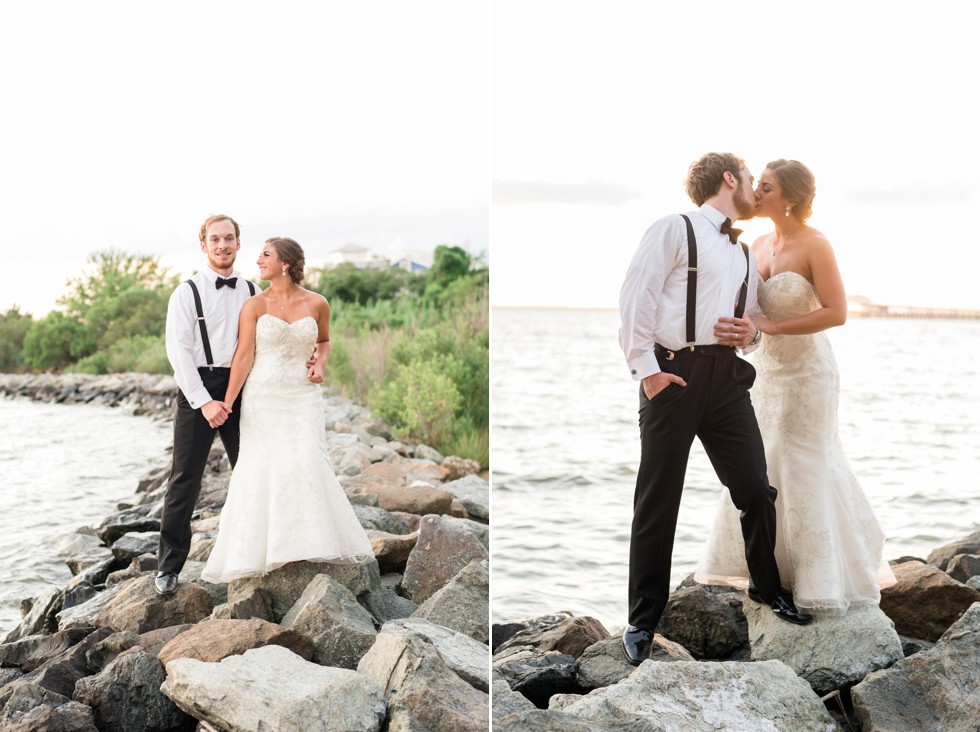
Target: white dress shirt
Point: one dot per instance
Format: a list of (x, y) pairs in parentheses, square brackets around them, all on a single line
[(185, 349), (653, 301)]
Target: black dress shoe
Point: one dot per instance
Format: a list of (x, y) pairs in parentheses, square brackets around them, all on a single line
[(783, 606), (636, 644), (166, 583)]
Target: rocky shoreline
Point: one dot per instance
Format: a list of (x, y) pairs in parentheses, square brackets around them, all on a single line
[(400, 643), (721, 661)]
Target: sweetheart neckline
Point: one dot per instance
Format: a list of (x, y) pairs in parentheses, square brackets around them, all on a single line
[(788, 271), (286, 322)]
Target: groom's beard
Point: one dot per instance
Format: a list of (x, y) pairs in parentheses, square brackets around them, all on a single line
[(744, 207)]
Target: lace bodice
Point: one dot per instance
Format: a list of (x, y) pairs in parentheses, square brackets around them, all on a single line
[(281, 351), (788, 295)]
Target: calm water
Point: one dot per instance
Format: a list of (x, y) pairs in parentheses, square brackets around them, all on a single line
[(566, 447), (62, 467)]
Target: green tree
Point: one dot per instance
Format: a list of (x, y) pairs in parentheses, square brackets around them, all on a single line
[(13, 328), (352, 284), (56, 340), (111, 273)]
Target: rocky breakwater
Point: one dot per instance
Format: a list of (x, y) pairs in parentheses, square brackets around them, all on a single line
[(399, 643), (721, 661), (143, 394)]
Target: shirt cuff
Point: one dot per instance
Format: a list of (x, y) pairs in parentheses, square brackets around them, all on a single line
[(749, 348), (199, 398), (644, 366)]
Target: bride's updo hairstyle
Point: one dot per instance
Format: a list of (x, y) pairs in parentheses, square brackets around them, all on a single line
[(291, 253), (797, 184)]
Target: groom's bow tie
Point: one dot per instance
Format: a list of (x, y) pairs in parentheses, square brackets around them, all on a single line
[(220, 282), (733, 234)]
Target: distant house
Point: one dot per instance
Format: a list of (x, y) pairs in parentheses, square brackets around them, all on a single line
[(411, 265), (355, 254), (416, 262)]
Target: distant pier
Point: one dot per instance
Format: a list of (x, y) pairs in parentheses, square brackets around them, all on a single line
[(861, 307)]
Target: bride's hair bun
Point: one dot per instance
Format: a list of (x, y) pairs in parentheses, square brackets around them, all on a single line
[(798, 185), (290, 253)]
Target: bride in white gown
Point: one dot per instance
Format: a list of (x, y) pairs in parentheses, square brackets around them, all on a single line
[(828, 542), (284, 502)]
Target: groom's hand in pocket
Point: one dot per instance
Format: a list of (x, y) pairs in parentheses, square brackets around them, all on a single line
[(215, 412), (656, 383)]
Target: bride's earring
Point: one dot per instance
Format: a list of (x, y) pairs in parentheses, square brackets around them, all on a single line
[(284, 269), (787, 211)]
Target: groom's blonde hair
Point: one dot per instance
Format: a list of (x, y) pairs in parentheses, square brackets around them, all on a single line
[(217, 217), (705, 175)]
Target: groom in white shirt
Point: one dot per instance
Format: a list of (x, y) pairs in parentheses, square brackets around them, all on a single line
[(202, 334), (681, 323)]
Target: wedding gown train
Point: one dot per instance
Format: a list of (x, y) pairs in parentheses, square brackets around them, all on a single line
[(828, 542), (284, 502)]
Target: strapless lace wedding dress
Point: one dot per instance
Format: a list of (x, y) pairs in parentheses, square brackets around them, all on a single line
[(828, 542), (284, 502)]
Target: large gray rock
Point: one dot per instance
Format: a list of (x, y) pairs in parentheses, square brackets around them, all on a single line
[(538, 675), (604, 663), (925, 601), (139, 608), (373, 517), (561, 632), (211, 640), (548, 720), (963, 567), (39, 618), (256, 604), (829, 653), (84, 614), (126, 696), (474, 493), (937, 689), (271, 688), (941, 557), (507, 701), (124, 522), (710, 624), (444, 547), (132, 544), (468, 658), (34, 651), (60, 673), (707, 696), (33, 708), (288, 583), (341, 630), (464, 603), (81, 551), (423, 692)]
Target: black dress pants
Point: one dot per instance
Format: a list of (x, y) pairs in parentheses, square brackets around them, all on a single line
[(193, 437), (714, 407)]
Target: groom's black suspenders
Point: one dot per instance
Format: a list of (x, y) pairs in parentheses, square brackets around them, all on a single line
[(200, 320), (692, 282)]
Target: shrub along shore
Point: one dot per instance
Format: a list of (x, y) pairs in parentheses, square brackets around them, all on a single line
[(412, 347), (400, 642)]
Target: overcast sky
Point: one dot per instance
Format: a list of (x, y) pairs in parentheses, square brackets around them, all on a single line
[(600, 107), (126, 124)]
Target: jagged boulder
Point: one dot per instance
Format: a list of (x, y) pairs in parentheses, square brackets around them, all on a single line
[(829, 653), (707, 696), (925, 601), (936, 689), (604, 663), (273, 688)]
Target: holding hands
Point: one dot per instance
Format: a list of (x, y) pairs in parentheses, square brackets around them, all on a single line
[(215, 412)]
